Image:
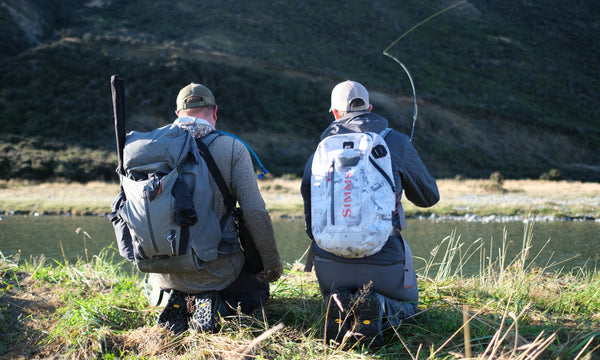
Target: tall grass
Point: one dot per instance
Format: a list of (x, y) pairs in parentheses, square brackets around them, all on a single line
[(537, 298), (509, 309), (453, 258)]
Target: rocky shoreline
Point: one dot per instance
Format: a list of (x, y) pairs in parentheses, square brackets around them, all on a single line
[(472, 218), (503, 218)]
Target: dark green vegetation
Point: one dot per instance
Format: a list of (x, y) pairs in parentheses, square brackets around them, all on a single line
[(509, 87)]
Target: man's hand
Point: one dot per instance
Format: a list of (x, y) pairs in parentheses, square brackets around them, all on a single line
[(273, 273)]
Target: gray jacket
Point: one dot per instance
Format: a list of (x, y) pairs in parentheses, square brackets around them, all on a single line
[(410, 175)]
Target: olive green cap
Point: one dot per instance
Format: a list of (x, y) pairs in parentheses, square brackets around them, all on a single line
[(194, 90)]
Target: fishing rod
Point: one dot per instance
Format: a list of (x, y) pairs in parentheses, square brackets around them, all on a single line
[(412, 84), (412, 132)]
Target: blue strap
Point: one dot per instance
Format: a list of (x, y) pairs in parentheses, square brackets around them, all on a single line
[(264, 170), (208, 139)]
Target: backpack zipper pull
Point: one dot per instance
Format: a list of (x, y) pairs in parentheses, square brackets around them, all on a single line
[(171, 239)]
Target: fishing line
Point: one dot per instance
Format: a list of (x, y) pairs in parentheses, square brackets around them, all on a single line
[(412, 84)]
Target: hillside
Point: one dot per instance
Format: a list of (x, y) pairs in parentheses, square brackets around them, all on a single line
[(501, 87)]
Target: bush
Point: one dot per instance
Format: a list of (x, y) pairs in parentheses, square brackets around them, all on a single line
[(497, 178), (552, 175)]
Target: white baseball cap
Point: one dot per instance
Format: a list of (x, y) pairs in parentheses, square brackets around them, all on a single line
[(343, 94)]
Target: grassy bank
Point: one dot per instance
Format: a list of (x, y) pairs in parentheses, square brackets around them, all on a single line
[(282, 195), (512, 309)]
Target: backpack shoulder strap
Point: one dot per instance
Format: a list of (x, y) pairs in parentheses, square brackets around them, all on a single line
[(210, 137), (384, 133), (214, 170), (253, 258)]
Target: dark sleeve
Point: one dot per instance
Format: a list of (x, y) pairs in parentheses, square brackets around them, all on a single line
[(418, 185), (305, 191)]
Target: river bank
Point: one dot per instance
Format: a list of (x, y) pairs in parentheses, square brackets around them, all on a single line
[(94, 309), (469, 199)]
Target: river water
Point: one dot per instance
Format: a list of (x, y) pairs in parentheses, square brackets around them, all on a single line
[(570, 243)]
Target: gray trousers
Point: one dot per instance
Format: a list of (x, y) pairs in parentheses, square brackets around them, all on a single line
[(388, 281)]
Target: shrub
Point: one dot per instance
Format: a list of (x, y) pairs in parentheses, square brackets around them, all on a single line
[(497, 178), (552, 175)]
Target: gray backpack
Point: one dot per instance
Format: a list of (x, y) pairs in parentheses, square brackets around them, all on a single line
[(168, 203)]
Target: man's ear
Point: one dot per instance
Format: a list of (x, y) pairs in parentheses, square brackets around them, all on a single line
[(336, 115)]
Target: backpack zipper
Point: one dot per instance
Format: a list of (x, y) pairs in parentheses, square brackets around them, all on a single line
[(149, 220), (332, 210)]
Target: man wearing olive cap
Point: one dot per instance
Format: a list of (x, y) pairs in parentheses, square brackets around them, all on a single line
[(192, 298)]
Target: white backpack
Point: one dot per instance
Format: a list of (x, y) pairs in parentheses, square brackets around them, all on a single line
[(353, 195)]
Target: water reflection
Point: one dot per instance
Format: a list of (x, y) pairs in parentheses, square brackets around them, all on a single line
[(554, 241)]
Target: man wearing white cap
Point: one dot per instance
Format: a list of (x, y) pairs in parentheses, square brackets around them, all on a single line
[(389, 276)]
